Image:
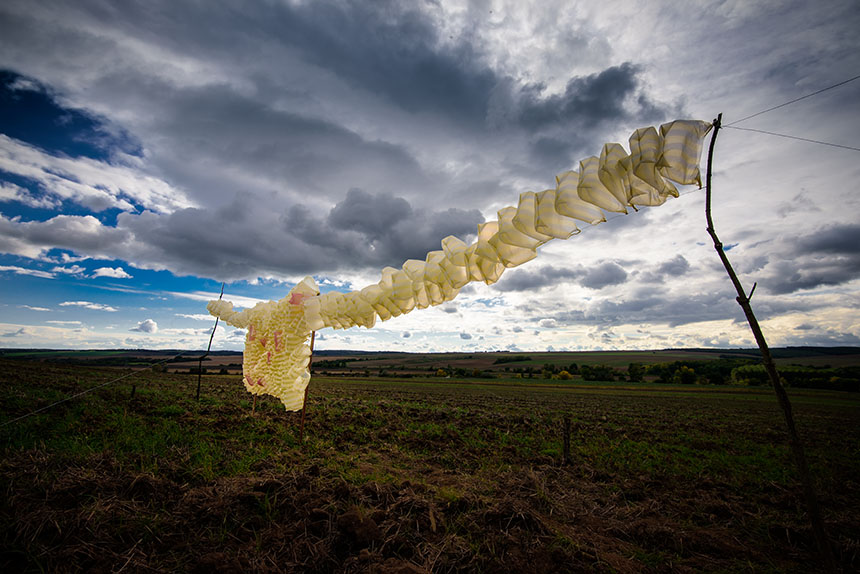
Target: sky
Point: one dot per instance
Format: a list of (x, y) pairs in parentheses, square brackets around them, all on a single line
[(151, 150)]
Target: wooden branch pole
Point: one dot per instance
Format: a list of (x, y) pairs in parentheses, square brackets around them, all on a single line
[(743, 300), (305, 402)]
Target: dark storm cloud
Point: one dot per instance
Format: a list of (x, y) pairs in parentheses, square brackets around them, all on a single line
[(522, 280), (604, 275), (647, 307), (247, 238), (228, 99), (589, 100), (381, 229), (369, 214), (675, 267), (806, 273), (843, 239), (828, 256), (294, 152), (83, 234), (385, 48), (388, 48), (564, 126)]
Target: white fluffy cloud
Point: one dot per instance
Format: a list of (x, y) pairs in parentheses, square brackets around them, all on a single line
[(93, 184), (146, 326), (114, 272), (89, 305), (73, 270), (25, 271), (10, 192)]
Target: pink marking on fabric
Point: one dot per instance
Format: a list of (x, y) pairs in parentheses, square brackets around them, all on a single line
[(263, 341), (269, 358), (277, 340), (250, 332), (260, 381), (297, 298)]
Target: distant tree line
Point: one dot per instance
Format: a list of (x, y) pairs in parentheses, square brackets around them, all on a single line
[(512, 359), (332, 364), (802, 377)]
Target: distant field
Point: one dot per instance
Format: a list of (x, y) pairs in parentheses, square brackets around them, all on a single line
[(416, 475), (359, 362)]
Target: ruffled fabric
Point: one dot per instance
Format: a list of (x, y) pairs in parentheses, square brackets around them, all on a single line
[(276, 350)]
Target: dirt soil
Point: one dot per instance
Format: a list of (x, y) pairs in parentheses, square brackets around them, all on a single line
[(410, 479)]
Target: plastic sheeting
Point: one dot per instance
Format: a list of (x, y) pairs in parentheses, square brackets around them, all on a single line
[(276, 345)]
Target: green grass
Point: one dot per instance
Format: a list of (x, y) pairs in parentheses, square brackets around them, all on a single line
[(471, 447)]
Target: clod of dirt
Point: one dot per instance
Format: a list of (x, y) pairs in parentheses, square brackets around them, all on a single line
[(358, 530), (216, 563), (342, 490), (268, 486), (395, 566)]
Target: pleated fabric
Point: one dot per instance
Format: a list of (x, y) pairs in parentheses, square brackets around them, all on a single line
[(276, 345)]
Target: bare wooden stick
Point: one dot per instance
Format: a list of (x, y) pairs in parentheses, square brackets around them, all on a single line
[(305, 402), (254, 406), (743, 300), (209, 348)]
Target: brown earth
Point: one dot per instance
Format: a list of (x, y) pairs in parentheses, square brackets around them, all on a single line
[(403, 478)]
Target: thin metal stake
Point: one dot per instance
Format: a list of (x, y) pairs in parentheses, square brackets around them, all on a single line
[(305, 403)]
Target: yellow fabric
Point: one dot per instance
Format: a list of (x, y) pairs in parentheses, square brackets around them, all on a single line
[(276, 350)]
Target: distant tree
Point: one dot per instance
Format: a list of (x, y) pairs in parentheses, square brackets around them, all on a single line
[(441, 373), (749, 375), (565, 376), (597, 372), (684, 375), (635, 372)]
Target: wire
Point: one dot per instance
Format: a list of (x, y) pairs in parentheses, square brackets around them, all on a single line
[(794, 138), (91, 389), (125, 376), (792, 101), (636, 209)]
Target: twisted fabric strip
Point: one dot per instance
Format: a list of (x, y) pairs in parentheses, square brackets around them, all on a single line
[(276, 345)]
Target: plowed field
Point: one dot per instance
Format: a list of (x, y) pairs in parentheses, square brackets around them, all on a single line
[(410, 476)]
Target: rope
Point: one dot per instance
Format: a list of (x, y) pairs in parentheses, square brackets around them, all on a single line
[(125, 376), (794, 138), (792, 101), (67, 399)]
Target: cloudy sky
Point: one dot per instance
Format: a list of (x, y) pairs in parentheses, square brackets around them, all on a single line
[(151, 150)]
